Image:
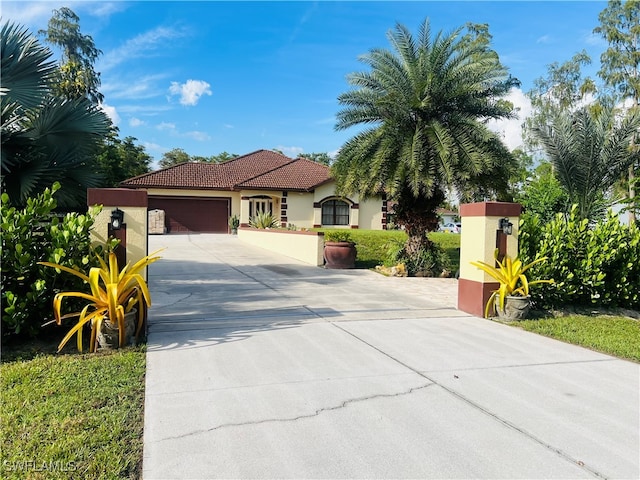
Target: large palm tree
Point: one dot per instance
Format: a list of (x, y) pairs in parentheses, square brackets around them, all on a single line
[(44, 138), (590, 151), (426, 104)]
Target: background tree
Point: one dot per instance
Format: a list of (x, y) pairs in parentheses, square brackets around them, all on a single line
[(222, 157), (119, 160), (589, 150), (542, 194), (45, 138), (76, 77), (174, 157), (563, 88), (322, 158), (620, 63), (425, 104)]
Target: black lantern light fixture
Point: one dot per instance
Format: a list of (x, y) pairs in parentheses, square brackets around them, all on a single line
[(117, 216), (506, 226)]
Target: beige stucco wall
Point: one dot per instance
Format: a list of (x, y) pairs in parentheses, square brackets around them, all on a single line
[(371, 214), (135, 219), (326, 190), (304, 246), (300, 209), (478, 242)]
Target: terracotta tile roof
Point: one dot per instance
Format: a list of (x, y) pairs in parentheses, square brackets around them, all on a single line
[(206, 176), (298, 175)]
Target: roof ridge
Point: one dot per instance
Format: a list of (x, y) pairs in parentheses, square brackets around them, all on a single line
[(153, 172), (312, 161), (253, 153), (264, 173)]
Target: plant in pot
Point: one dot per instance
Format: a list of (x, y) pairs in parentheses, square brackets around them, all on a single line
[(513, 300), (339, 250), (116, 299), (234, 223)]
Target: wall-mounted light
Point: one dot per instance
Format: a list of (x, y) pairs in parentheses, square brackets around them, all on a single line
[(117, 216), (506, 226)]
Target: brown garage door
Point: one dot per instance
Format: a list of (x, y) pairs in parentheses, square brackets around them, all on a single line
[(193, 214)]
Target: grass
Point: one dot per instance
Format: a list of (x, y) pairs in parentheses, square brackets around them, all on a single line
[(373, 245), (72, 416), (617, 336)]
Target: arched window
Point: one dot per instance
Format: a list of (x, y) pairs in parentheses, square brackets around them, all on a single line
[(335, 212)]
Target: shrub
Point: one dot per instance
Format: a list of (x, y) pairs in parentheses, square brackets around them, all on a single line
[(592, 264), (431, 262), (337, 236), (264, 220), (35, 234)]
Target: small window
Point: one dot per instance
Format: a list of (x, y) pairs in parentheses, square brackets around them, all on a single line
[(335, 212), (260, 204)]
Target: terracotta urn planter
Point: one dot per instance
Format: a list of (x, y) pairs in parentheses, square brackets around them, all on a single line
[(340, 254), (515, 308)]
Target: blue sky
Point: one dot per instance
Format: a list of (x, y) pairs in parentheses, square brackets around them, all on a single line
[(212, 76)]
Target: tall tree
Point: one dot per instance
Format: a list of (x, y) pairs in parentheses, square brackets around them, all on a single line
[(76, 76), (119, 160), (45, 138), (589, 150), (426, 103), (563, 88), (174, 157), (620, 63)]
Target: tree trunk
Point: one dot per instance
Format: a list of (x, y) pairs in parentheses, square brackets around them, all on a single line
[(418, 216)]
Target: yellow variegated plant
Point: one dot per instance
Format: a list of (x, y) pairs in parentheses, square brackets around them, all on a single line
[(114, 293), (510, 274)]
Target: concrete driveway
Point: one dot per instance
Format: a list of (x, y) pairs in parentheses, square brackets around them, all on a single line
[(259, 366)]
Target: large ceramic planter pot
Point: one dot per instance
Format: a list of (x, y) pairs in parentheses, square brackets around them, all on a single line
[(108, 336), (340, 254), (515, 308)]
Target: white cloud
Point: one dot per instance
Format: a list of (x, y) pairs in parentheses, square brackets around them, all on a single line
[(190, 92), (136, 122), (511, 130), (27, 13), (141, 45), (144, 109), (544, 39), (138, 88), (292, 152), (106, 9), (166, 127), (228, 125), (172, 130), (198, 136), (594, 40), (111, 113)]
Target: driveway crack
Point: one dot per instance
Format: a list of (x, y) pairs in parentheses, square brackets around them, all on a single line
[(316, 413)]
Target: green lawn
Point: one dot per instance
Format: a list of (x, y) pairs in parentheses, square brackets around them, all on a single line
[(373, 245), (618, 336), (72, 416)]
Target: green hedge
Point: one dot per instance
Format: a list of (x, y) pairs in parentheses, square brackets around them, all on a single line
[(591, 264), (31, 235)]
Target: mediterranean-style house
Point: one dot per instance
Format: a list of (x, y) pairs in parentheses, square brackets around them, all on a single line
[(200, 197)]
